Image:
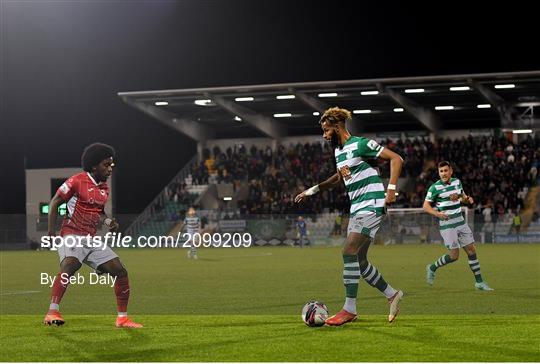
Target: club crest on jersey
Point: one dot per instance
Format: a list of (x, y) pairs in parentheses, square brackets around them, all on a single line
[(345, 172), (349, 154)]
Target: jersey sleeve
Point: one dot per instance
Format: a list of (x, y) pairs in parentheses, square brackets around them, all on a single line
[(369, 148), (68, 188), (430, 196), (460, 187)]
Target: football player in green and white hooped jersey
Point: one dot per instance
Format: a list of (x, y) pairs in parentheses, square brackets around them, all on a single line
[(368, 199), (193, 226), (447, 193)]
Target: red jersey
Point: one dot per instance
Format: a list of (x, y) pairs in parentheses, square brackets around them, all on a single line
[(86, 200)]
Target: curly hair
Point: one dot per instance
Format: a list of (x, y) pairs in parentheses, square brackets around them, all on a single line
[(335, 115), (94, 154)]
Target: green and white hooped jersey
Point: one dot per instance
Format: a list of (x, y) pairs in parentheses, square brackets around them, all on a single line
[(192, 224), (440, 192), (362, 182)]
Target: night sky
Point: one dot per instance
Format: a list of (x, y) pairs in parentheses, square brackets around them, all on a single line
[(62, 63)]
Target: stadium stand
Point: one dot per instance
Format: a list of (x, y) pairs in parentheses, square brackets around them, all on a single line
[(494, 169)]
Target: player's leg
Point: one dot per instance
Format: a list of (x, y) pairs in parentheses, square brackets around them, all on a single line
[(351, 277), (70, 257), (192, 250), (371, 274), (467, 242), (68, 267), (106, 261), (451, 242)]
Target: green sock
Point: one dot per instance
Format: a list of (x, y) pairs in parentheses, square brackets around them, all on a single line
[(351, 275), (445, 259), (475, 267)]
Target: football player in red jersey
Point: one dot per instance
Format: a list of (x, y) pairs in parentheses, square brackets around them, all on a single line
[(86, 194)]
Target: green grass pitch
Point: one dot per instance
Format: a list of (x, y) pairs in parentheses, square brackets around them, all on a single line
[(244, 305)]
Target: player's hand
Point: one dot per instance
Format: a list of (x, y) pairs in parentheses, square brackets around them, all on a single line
[(390, 196), (113, 226), (470, 200), (300, 197), (454, 197), (442, 216)]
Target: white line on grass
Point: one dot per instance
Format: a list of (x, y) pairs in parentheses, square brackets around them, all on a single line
[(18, 292), (247, 256)]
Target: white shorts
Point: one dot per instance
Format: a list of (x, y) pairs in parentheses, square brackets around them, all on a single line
[(458, 237), (91, 256), (365, 224)]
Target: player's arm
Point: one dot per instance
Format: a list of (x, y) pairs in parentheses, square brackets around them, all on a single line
[(430, 210), (323, 186), (330, 183), (463, 197), (56, 201), (183, 225), (430, 198), (396, 163)]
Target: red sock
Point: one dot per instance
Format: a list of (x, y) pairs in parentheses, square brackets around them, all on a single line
[(121, 289), (59, 288)]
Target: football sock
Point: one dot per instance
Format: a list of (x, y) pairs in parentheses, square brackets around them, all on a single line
[(54, 306), (57, 292), (121, 289), (475, 267), (445, 259), (351, 275), (372, 276), (350, 305)]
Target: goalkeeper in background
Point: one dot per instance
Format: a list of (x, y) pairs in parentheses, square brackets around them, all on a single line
[(301, 231)]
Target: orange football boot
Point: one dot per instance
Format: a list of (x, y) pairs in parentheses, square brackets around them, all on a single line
[(53, 317), (340, 318), (124, 321)]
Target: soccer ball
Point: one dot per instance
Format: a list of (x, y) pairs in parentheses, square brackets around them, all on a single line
[(314, 313)]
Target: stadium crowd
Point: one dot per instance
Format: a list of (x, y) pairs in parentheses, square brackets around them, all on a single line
[(494, 170)]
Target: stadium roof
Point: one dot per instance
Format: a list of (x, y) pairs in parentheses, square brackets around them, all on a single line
[(470, 101)]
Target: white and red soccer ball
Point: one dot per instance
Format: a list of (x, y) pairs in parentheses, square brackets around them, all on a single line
[(314, 313)]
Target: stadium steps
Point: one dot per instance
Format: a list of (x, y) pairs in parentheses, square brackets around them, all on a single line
[(155, 219)]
